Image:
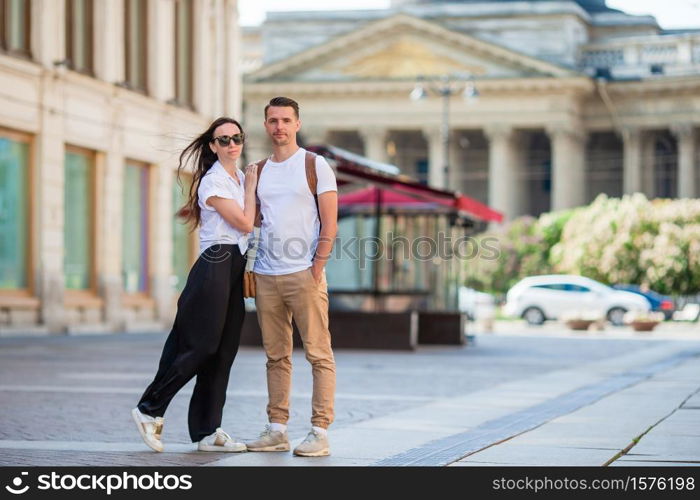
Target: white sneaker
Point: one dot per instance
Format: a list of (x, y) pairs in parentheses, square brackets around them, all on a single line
[(315, 445), (270, 440), (220, 441), (150, 429)]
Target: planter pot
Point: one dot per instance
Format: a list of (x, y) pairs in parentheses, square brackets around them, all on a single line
[(643, 326), (579, 324)]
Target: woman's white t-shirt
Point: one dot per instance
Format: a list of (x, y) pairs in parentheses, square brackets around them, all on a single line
[(290, 222), (213, 227)]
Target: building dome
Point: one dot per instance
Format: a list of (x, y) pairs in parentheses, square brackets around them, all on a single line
[(589, 5)]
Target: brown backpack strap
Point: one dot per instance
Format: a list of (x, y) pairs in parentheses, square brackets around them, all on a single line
[(312, 178), (258, 215)]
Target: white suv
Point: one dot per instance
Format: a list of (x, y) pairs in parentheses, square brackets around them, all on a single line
[(539, 298)]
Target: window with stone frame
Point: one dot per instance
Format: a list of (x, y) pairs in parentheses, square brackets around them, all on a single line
[(15, 27), (79, 35), (183, 52), (14, 211), (136, 228), (135, 36), (79, 219)]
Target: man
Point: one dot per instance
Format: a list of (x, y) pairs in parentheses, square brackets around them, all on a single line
[(296, 238)]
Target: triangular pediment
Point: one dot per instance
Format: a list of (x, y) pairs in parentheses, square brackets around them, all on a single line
[(401, 57), (404, 47)]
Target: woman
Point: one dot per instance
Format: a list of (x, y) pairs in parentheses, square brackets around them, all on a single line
[(205, 335)]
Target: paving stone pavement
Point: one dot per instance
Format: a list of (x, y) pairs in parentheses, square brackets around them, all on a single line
[(66, 400)]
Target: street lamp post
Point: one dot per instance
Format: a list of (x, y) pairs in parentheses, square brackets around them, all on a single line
[(445, 87)]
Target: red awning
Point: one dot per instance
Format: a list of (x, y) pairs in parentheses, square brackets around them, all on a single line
[(480, 210), (368, 196), (396, 189)]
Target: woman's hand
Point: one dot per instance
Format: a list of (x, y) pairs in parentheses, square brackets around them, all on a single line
[(251, 177)]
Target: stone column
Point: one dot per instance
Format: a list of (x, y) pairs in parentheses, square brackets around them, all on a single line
[(456, 162), (685, 51), (109, 40), (374, 139), (503, 170), (233, 85), (257, 146), (162, 241), (110, 275), (203, 63), (648, 166), (568, 167), (217, 78), (436, 158), (49, 170), (632, 171), (687, 151), (313, 135), (160, 48), (48, 46), (47, 32)]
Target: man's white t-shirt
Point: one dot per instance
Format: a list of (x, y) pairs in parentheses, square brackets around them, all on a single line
[(290, 222)]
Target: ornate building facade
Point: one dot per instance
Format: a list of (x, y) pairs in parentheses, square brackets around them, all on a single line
[(565, 99), (97, 99)]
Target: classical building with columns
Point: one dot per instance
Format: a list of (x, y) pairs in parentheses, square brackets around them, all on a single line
[(97, 99), (564, 99)]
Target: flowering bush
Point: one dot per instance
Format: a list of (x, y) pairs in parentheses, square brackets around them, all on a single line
[(633, 240), (628, 240), (522, 251)]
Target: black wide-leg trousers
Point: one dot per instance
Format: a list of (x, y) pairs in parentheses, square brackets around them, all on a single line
[(203, 341)]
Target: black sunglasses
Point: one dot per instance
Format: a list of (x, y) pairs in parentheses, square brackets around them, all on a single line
[(225, 140)]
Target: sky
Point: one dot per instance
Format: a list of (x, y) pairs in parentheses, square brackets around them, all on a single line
[(669, 13)]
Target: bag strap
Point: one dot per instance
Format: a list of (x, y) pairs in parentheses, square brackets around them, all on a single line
[(258, 216), (312, 178)]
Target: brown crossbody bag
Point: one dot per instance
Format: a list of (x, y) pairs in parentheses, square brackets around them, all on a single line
[(312, 181)]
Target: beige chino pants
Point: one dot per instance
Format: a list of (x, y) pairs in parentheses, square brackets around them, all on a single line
[(278, 299)]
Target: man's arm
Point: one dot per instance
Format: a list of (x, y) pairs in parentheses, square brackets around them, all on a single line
[(328, 213)]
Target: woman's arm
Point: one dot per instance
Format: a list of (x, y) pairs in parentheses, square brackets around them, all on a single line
[(231, 211)]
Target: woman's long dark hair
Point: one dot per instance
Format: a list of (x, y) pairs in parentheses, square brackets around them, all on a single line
[(203, 158)]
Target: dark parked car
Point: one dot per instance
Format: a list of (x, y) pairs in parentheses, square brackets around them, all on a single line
[(659, 303)]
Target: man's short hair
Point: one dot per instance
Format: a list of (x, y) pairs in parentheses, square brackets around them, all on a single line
[(283, 102)]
